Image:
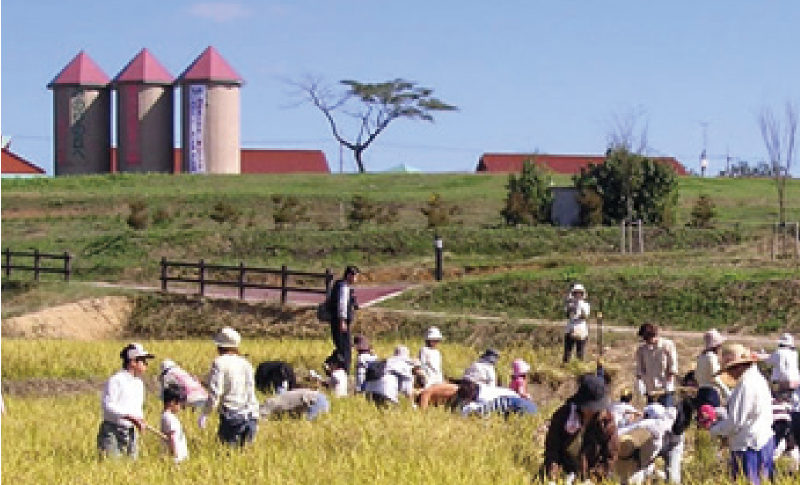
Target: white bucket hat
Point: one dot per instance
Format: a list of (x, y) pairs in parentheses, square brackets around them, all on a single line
[(713, 339), (167, 364), (227, 338), (786, 340), (578, 287), (433, 334)]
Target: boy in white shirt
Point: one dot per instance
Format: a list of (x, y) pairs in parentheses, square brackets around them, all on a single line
[(337, 375), (174, 399), (364, 356), (123, 404)]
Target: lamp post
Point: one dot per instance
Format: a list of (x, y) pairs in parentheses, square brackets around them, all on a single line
[(437, 247)]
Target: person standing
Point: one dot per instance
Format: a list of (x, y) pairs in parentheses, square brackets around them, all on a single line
[(577, 332), (231, 387), (123, 405), (748, 424), (174, 398), (711, 389), (431, 359), (785, 376), (343, 310), (656, 366)]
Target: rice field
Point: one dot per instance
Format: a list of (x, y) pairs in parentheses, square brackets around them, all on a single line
[(51, 438)]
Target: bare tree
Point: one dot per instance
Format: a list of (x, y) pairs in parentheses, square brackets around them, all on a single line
[(372, 106), (628, 131), (778, 138)]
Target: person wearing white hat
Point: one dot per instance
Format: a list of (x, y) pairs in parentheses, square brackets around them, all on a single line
[(431, 358), (397, 378), (173, 375), (711, 388), (123, 404), (748, 424), (231, 386), (577, 331), (785, 376)]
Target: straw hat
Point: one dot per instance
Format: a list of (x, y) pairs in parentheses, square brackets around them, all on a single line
[(713, 339), (735, 354), (227, 338)]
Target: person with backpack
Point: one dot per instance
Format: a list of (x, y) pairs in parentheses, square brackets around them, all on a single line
[(342, 306), (386, 380)]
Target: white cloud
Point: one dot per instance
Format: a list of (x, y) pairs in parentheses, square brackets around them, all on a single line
[(219, 11)]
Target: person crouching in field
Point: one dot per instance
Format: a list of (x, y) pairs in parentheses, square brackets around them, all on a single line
[(172, 375), (577, 332), (296, 402), (174, 398), (582, 438), (123, 404), (231, 386), (483, 370), (519, 378)]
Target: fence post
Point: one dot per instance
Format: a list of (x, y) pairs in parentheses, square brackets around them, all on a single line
[(284, 281), (630, 237), (772, 242), (202, 267), (438, 246), (36, 264), (67, 265), (241, 280), (328, 280), (8, 262), (641, 238), (797, 239), (164, 274), (622, 238)]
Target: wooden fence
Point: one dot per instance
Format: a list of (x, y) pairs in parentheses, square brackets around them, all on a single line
[(38, 258), (210, 275)]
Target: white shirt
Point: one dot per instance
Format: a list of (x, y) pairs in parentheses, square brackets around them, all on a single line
[(431, 360), (171, 426), (784, 365), (487, 393), (231, 385), (123, 395), (338, 382), (395, 380), (576, 322), (749, 420), (706, 373), (344, 300), (482, 373), (623, 413)]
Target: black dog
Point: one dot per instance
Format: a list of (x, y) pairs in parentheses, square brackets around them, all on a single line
[(272, 374)]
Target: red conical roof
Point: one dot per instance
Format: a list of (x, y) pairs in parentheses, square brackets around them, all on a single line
[(81, 71), (144, 69), (210, 66)]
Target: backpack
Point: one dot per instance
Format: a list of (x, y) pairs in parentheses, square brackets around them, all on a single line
[(376, 369), (328, 306)]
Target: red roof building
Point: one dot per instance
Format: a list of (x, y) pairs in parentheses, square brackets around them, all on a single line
[(210, 66), (284, 161), (81, 71), (560, 164), (144, 69), (13, 164)]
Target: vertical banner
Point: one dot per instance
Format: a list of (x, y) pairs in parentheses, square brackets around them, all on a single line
[(133, 154), (77, 114), (197, 112)]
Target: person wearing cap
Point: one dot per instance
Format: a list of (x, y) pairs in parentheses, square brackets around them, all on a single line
[(710, 388), (122, 403), (748, 421), (785, 376), (431, 359), (656, 366), (483, 370), (397, 379), (577, 331), (231, 387), (582, 438), (364, 355), (519, 378), (173, 375), (343, 312)]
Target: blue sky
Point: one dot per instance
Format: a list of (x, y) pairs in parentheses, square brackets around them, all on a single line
[(528, 75)]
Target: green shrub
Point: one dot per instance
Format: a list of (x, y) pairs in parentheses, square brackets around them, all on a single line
[(138, 217), (288, 211), (437, 212), (703, 213), (224, 211), (591, 207), (161, 216), (529, 198)]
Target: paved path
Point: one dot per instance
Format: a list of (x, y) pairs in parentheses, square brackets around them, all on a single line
[(366, 295)]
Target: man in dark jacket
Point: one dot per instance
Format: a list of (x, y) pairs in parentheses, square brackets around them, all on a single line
[(343, 309)]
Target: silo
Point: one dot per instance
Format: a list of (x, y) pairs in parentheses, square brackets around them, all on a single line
[(145, 116), (210, 115), (81, 118)]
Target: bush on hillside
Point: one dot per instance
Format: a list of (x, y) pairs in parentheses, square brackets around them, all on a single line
[(224, 211), (438, 212), (703, 213), (363, 210), (161, 216), (632, 187), (138, 217), (529, 198), (591, 207), (288, 211)]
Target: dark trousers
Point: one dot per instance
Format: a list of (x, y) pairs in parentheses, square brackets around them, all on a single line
[(236, 429), (569, 343), (708, 395), (666, 399), (342, 342)]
